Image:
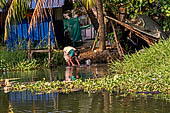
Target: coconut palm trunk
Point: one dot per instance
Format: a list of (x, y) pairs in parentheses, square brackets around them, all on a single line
[(99, 6), (91, 15), (93, 19)]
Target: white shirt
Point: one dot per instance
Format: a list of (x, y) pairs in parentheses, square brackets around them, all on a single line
[(67, 49)]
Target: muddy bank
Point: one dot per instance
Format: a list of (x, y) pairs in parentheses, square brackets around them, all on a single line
[(97, 56)]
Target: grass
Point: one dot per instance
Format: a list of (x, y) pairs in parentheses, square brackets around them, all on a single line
[(18, 60), (146, 70)]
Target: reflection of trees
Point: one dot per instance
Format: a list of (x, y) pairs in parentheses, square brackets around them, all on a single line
[(10, 108), (4, 102), (78, 102), (106, 102)]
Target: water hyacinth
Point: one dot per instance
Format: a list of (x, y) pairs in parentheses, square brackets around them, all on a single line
[(145, 72)]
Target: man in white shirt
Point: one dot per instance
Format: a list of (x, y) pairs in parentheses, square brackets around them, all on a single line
[(69, 54)]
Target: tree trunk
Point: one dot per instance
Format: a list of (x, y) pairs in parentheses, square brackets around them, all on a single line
[(99, 5), (93, 19), (91, 16)]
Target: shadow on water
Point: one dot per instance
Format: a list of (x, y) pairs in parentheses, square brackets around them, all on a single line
[(75, 102)]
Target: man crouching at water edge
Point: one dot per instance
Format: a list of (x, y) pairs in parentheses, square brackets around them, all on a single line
[(71, 53)]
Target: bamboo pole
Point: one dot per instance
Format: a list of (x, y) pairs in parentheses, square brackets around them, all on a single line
[(119, 48), (95, 41), (49, 45), (56, 43)]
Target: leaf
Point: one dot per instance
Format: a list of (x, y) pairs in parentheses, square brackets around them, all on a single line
[(150, 1)]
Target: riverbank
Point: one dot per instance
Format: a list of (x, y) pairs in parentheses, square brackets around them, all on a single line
[(145, 71), (96, 56)]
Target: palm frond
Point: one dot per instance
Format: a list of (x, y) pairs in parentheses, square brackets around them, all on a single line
[(40, 12), (3, 4), (89, 3), (15, 13)]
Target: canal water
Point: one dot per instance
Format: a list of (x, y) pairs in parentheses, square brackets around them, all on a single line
[(76, 102)]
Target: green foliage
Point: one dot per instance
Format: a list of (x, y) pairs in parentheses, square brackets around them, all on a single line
[(27, 65), (145, 71), (10, 59), (152, 8), (58, 58), (18, 60), (2, 4)]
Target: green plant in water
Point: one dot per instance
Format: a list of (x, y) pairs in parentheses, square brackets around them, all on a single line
[(145, 72)]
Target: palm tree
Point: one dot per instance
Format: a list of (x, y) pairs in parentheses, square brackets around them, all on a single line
[(101, 24), (90, 13)]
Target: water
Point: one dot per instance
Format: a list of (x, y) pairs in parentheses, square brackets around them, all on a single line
[(76, 102), (59, 73)]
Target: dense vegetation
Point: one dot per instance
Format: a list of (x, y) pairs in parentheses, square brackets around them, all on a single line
[(158, 10), (146, 72), (18, 60)]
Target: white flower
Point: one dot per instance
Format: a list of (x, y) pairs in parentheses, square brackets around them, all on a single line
[(115, 77), (159, 76), (47, 83), (153, 78)]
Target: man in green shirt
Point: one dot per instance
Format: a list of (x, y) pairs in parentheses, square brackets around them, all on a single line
[(71, 53)]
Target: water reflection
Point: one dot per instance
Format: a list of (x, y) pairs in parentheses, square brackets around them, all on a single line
[(68, 73), (79, 102), (58, 73), (76, 102), (73, 73)]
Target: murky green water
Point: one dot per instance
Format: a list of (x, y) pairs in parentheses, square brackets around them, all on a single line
[(58, 73), (76, 102)]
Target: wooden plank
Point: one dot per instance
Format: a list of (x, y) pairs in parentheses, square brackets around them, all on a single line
[(148, 39), (39, 50)]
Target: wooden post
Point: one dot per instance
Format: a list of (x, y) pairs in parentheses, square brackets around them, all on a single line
[(49, 45), (29, 49), (56, 43), (119, 48), (95, 41)]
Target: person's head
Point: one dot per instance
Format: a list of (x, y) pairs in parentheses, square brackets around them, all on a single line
[(67, 34), (76, 53)]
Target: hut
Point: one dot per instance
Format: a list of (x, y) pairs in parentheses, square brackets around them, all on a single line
[(18, 35)]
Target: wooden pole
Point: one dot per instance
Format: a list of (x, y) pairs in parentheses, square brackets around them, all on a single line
[(29, 49), (56, 43), (119, 48), (95, 41), (49, 45)]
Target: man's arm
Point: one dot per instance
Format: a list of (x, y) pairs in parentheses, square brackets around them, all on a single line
[(71, 61), (77, 60)]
